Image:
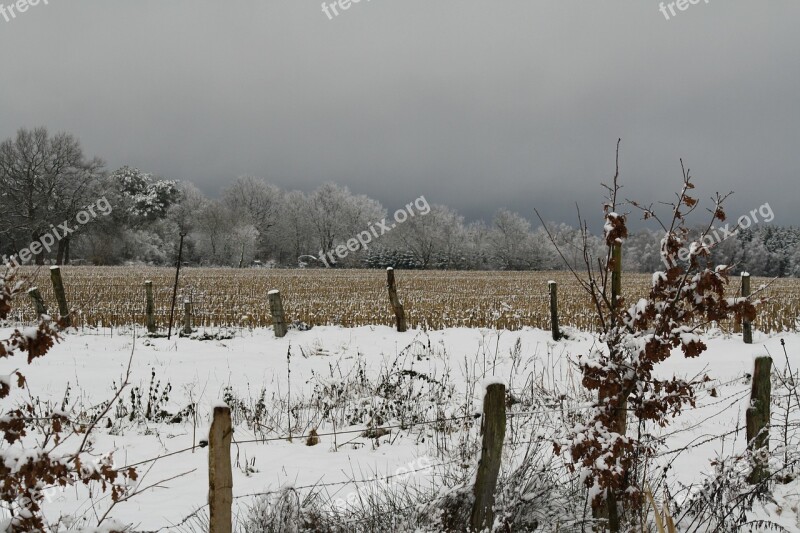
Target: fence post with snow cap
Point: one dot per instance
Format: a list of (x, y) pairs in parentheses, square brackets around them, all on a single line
[(38, 303), (493, 428), (149, 309), (747, 327), (757, 418), (220, 474), (276, 310), (61, 295), (397, 307), (553, 286)]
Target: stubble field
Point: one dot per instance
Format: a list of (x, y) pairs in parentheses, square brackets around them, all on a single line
[(108, 297)]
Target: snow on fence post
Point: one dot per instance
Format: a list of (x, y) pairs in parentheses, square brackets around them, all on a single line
[(220, 476), (757, 418), (493, 428), (554, 309), (150, 320), (276, 310), (187, 317), (61, 296), (397, 307), (747, 328), (38, 303)]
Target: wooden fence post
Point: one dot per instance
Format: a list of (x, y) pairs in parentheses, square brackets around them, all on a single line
[(493, 427), (61, 296), (397, 307), (554, 309), (150, 319), (187, 317), (609, 511), (278, 317), (616, 274), (747, 327), (757, 418), (38, 303), (220, 476), (616, 295)]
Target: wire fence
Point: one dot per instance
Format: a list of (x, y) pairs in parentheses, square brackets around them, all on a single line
[(698, 441)]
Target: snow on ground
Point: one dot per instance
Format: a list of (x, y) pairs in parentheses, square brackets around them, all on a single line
[(90, 364)]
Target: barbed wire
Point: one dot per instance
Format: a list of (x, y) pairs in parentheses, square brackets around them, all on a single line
[(346, 482), (736, 399), (366, 432), (407, 425), (314, 486), (693, 445), (202, 444)]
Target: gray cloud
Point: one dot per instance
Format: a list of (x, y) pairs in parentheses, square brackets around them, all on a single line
[(476, 105)]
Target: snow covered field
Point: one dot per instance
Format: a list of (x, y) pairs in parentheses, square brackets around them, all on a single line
[(200, 371)]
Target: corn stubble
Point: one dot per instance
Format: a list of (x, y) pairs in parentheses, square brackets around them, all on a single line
[(115, 296)]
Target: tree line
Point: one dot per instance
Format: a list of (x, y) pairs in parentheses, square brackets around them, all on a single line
[(47, 179)]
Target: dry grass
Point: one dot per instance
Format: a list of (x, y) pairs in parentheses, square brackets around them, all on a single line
[(114, 296)]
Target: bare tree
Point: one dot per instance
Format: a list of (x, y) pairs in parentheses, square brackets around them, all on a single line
[(215, 226), (44, 181)]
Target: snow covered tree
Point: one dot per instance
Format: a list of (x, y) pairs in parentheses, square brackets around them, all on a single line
[(335, 215), (436, 237), (512, 243), (254, 203), (144, 197), (326, 207), (294, 230)]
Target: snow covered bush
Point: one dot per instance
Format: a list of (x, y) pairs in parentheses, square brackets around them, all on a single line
[(37, 450), (635, 337)]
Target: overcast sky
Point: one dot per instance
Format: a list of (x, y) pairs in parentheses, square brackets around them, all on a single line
[(475, 104)]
